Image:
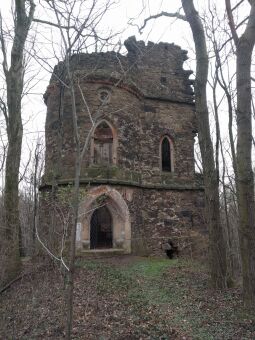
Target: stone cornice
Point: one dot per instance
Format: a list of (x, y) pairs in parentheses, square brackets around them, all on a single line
[(191, 186)]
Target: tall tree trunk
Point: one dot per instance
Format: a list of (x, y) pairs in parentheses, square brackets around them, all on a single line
[(217, 249), (14, 85), (245, 180), (11, 194)]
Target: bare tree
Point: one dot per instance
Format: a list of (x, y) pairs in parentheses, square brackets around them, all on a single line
[(28, 201), (14, 77), (216, 236), (245, 180), (221, 79)]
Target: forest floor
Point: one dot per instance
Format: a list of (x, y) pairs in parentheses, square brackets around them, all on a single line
[(125, 298)]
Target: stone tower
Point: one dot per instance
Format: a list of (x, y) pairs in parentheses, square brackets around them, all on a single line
[(138, 181)]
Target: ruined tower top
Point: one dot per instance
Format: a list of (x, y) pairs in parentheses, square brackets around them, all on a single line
[(141, 104), (154, 70)]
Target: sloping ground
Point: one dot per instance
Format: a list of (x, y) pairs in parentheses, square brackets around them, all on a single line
[(125, 298)]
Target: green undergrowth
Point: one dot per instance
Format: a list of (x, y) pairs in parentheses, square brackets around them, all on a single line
[(179, 290)]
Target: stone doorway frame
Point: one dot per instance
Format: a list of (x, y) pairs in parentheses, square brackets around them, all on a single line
[(121, 222)]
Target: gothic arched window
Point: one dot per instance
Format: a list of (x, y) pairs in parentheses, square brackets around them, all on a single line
[(103, 150), (166, 154)]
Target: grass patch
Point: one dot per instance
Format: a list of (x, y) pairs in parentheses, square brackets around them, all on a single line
[(179, 288), (151, 268)]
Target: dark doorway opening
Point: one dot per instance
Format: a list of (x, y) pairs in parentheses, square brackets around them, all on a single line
[(101, 229)]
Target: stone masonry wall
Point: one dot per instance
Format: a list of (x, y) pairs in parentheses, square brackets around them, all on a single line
[(164, 215), (156, 216), (150, 96), (139, 124)]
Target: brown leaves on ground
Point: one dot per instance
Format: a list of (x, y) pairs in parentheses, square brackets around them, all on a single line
[(124, 298)]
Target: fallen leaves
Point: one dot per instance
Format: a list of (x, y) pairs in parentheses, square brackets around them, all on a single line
[(139, 299)]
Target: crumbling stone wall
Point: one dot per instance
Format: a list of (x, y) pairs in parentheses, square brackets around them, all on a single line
[(149, 96), (165, 214)]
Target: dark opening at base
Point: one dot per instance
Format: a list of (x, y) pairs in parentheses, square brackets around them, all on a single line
[(101, 229)]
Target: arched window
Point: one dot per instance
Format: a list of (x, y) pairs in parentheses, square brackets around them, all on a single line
[(166, 154), (103, 146)]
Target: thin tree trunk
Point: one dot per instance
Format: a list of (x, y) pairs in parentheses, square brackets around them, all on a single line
[(233, 251), (75, 205), (217, 251), (245, 180), (219, 147)]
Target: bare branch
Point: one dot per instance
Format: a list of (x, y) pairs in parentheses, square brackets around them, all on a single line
[(162, 14), (86, 105), (237, 5), (3, 155), (4, 110), (231, 21), (22, 176), (3, 47), (49, 23), (48, 250)]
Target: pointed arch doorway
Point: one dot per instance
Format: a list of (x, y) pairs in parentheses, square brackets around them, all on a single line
[(115, 217), (101, 231)]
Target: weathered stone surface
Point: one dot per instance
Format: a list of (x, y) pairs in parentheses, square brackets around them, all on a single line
[(148, 97)]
